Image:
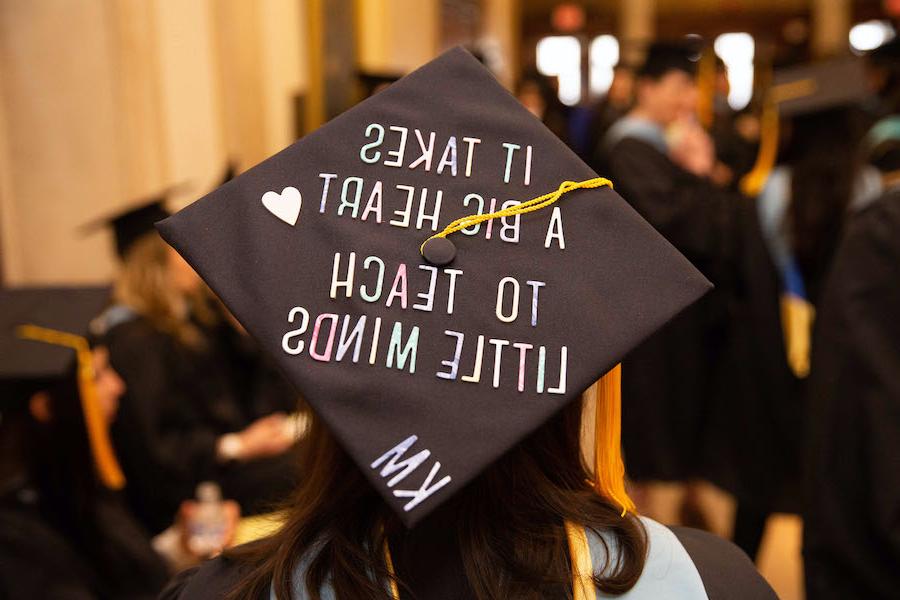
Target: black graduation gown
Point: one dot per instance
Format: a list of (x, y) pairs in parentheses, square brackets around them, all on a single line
[(260, 386), (667, 381), (732, 150), (754, 446), (429, 563), (178, 402), (852, 530), (37, 561)]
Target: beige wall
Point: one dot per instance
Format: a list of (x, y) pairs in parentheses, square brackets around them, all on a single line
[(104, 102), (397, 36), (501, 32), (59, 155)]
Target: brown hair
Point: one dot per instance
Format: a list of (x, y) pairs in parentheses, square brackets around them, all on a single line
[(510, 520), (143, 285), (825, 166)]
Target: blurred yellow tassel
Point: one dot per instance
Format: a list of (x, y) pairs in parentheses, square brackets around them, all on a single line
[(105, 461), (706, 88), (609, 468), (797, 316), (752, 183)]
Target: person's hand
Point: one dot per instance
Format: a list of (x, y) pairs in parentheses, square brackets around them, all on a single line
[(187, 514), (268, 436), (692, 149)]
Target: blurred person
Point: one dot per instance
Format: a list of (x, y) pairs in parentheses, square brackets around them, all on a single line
[(64, 530), (539, 94), (851, 540), (422, 481), (590, 129), (735, 146), (818, 181), (883, 74), (661, 162), (188, 414)]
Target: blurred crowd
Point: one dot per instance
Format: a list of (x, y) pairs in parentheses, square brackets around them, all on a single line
[(782, 387)]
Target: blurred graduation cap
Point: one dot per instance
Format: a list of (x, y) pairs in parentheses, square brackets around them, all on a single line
[(228, 174), (820, 86), (137, 219), (663, 57), (42, 342), (798, 91), (538, 279), (372, 81)]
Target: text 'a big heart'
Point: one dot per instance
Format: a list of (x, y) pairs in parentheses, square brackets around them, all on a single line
[(285, 206)]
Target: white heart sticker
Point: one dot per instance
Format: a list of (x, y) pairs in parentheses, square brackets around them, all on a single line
[(285, 206)]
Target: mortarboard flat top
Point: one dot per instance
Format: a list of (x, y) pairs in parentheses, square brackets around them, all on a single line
[(820, 86), (63, 309), (137, 220), (427, 374)]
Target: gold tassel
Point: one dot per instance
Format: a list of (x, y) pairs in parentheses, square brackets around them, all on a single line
[(797, 316), (706, 88), (609, 468), (98, 434), (752, 183)]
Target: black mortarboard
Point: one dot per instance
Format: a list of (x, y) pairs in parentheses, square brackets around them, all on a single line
[(64, 309), (819, 86), (663, 57), (798, 91), (372, 82), (425, 376), (42, 341), (132, 223)]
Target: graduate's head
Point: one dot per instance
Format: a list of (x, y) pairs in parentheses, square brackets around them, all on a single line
[(441, 278), (665, 89), (50, 403), (621, 88), (506, 520), (60, 394), (157, 283), (135, 222), (537, 92), (882, 147), (812, 119), (152, 268), (883, 74)]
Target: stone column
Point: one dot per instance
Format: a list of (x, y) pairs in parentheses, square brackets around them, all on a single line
[(830, 27), (502, 29), (637, 27)]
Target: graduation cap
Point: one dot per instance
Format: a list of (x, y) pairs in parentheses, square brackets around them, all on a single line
[(539, 279), (812, 88), (137, 220), (798, 91), (42, 341), (373, 81), (663, 57)]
